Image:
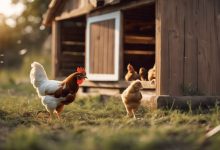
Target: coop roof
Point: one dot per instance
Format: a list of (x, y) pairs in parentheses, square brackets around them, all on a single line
[(49, 15), (57, 7)]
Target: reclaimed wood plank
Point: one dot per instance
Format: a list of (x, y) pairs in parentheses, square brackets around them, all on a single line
[(111, 46), (139, 39), (96, 48), (139, 52), (101, 47), (92, 47), (105, 47), (191, 48), (55, 48), (73, 43), (217, 48), (162, 48), (176, 46), (204, 64)]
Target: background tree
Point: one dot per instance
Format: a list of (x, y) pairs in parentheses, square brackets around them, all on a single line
[(26, 35)]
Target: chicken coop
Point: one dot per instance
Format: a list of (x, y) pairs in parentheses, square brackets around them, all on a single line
[(182, 37)]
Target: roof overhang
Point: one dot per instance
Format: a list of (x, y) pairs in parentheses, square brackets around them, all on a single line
[(56, 12), (49, 15)]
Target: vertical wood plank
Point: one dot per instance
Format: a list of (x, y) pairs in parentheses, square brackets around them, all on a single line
[(92, 46), (162, 48), (105, 47), (191, 49), (101, 47), (121, 50), (176, 46), (215, 55), (217, 48), (113, 46), (204, 65), (55, 48), (96, 48), (210, 44), (111, 38)]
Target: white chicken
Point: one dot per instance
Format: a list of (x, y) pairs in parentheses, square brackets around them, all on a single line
[(43, 86), (41, 82)]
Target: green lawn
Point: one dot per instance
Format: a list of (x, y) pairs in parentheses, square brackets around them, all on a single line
[(92, 124)]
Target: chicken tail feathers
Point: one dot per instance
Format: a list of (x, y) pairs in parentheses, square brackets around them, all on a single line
[(37, 74)]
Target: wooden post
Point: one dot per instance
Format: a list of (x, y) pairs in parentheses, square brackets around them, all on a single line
[(121, 51), (162, 51), (55, 48)]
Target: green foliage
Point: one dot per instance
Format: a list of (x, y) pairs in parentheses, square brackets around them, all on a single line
[(25, 35), (18, 78)]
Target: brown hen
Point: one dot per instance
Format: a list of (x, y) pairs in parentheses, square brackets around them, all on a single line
[(131, 98)]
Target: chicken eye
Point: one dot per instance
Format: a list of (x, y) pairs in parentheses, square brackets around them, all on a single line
[(79, 75)]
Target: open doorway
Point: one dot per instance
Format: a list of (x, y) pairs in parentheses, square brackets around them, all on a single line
[(139, 37), (72, 47)]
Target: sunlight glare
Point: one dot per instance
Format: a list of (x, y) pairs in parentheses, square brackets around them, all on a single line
[(23, 51), (8, 9), (11, 22)]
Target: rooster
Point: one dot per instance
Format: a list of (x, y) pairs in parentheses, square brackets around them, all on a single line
[(131, 74), (55, 94), (131, 98)]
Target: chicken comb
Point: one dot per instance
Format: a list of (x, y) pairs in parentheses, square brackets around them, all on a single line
[(80, 70)]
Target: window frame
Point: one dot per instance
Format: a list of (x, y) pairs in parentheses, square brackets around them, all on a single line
[(105, 77)]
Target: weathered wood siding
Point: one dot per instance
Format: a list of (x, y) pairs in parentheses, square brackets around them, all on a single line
[(55, 42), (72, 8), (188, 47), (102, 47)]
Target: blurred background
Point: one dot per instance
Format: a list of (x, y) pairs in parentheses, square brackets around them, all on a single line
[(23, 39)]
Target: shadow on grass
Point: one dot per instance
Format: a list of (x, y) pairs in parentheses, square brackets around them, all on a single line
[(12, 121)]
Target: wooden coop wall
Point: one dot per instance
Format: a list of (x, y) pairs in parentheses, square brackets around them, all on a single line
[(188, 47)]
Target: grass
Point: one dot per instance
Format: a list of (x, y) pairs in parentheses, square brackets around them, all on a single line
[(90, 123), (93, 124)]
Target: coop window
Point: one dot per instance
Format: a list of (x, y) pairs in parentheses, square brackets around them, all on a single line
[(102, 47)]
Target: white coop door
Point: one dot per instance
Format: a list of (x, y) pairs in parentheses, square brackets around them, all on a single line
[(102, 47)]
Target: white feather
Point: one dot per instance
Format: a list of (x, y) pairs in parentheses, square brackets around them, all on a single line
[(50, 102), (43, 85), (40, 80)]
